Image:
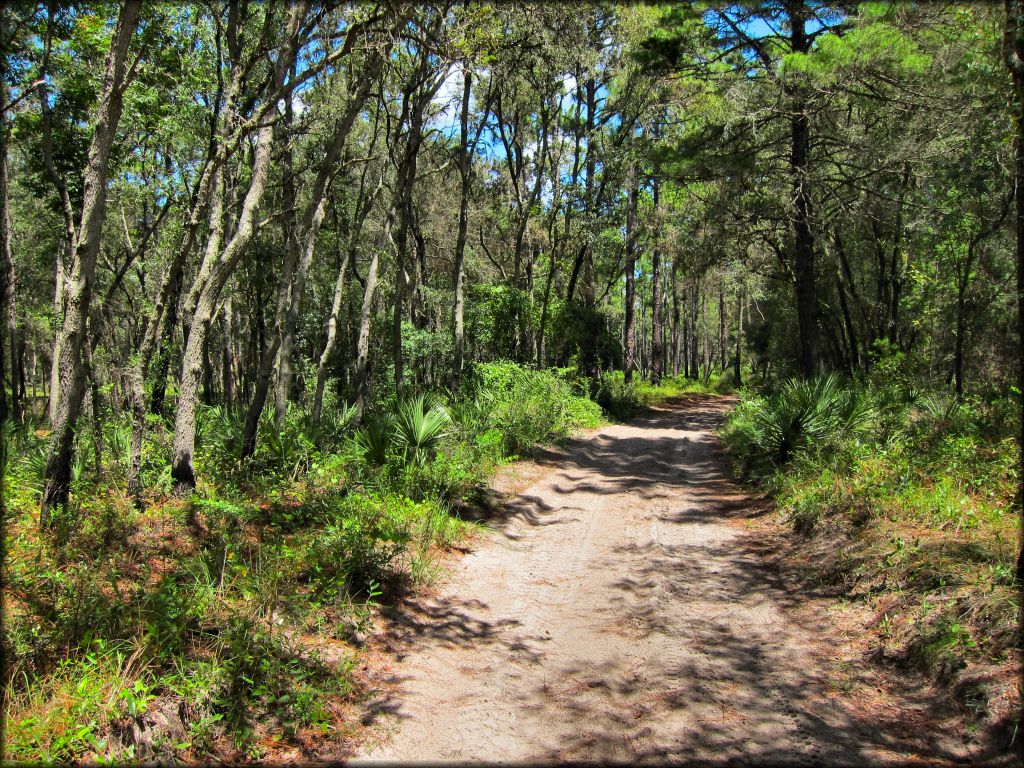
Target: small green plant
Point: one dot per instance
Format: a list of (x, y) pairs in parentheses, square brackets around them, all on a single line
[(373, 441), (419, 427)]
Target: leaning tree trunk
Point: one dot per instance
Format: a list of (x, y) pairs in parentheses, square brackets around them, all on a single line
[(364, 204), (72, 338), (365, 314), (182, 468)]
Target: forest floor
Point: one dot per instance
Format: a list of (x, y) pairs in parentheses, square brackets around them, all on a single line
[(630, 603)]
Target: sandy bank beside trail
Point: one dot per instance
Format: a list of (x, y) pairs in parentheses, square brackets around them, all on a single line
[(615, 614)]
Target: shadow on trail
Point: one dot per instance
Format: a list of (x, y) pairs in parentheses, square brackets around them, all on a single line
[(665, 450), (726, 685)]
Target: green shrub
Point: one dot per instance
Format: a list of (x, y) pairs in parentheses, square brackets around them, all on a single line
[(530, 407), (419, 427), (802, 415), (358, 546)]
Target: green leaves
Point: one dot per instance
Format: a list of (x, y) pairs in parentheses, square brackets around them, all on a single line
[(419, 427), (874, 47), (804, 415)]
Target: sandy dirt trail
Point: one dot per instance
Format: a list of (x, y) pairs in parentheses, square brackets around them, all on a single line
[(614, 614)]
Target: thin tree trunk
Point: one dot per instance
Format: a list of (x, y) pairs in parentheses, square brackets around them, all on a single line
[(227, 357), (182, 469), (1013, 45), (803, 237), (694, 331), (677, 334), (460, 239), (723, 353), (629, 358), (290, 275), (366, 312), (657, 337), (737, 369), (8, 310)]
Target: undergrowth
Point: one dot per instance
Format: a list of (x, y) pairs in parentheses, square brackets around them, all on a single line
[(228, 624), (904, 499), (622, 400)]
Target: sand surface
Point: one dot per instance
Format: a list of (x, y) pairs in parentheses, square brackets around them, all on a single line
[(614, 613)]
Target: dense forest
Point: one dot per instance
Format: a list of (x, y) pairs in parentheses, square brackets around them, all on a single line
[(283, 283)]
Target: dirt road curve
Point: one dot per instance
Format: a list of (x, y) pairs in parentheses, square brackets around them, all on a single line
[(615, 614)]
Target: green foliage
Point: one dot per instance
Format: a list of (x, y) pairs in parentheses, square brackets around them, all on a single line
[(529, 407), (359, 545), (911, 493), (801, 415), (72, 712), (419, 427), (373, 441), (622, 401)]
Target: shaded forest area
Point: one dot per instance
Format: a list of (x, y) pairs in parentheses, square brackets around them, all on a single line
[(283, 283)]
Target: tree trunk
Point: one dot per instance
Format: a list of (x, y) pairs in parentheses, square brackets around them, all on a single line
[(803, 237), (182, 469), (332, 335), (657, 338), (405, 181), (460, 240), (365, 316), (1013, 42), (71, 338), (723, 361), (629, 357), (227, 357), (545, 310), (339, 293), (694, 331), (677, 329), (8, 310), (737, 369), (290, 276)]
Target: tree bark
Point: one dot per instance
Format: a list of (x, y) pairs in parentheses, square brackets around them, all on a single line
[(963, 279), (1013, 44), (8, 309), (72, 337), (737, 369), (629, 357), (676, 325), (723, 353), (657, 337), (459, 309), (803, 236), (222, 264), (366, 312)]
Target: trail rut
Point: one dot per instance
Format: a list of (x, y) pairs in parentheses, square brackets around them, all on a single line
[(614, 613)]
